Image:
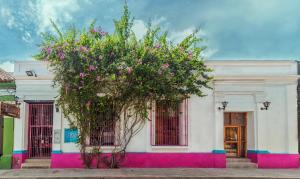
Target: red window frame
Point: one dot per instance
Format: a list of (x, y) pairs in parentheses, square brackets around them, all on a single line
[(169, 126)]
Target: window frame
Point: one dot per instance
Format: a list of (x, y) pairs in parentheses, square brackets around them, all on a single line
[(183, 120), (115, 130)]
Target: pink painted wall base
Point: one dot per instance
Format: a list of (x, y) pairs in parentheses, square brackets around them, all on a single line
[(149, 160), (18, 159), (275, 160)]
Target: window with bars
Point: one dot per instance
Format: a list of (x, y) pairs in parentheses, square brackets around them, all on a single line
[(103, 130), (169, 124)]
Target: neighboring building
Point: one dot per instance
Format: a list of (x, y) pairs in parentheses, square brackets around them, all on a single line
[(201, 132), (7, 89)]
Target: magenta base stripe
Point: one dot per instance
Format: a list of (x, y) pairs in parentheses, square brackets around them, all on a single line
[(18, 159), (275, 160), (149, 160)]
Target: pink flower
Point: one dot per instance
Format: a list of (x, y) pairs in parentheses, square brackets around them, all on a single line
[(48, 50), (157, 46), (98, 78), (83, 49), (190, 54), (94, 30), (92, 68), (82, 75), (165, 66), (102, 33), (61, 55), (129, 70)]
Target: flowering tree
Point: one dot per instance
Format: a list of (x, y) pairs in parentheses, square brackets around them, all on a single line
[(99, 73)]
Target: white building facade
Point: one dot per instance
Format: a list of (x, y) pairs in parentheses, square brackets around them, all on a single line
[(251, 112)]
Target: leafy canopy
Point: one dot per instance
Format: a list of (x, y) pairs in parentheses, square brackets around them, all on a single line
[(96, 70)]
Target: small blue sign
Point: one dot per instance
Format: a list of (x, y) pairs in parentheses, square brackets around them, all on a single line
[(71, 135)]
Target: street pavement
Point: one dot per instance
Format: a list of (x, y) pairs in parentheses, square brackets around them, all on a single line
[(136, 173)]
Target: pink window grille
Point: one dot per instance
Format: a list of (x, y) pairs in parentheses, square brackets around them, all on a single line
[(102, 131), (40, 130), (170, 125)]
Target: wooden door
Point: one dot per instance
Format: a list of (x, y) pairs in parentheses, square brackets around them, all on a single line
[(235, 134), (40, 130)]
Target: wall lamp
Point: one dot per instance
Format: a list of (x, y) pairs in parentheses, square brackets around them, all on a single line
[(56, 107), (266, 105), (31, 73), (224, 104)]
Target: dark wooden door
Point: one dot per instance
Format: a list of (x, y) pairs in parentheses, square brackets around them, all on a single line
[(40, 130), (235, 134)]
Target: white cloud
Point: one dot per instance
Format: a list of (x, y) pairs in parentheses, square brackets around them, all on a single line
[(158, 20), (139, 28), (178, 36), (57, 10), (7, 66), (27, 37), (7, 17), (34, 16)]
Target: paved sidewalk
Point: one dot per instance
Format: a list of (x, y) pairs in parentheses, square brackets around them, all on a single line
[(150, 173)]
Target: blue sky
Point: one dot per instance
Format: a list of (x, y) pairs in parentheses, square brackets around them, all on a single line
[(233, 29)]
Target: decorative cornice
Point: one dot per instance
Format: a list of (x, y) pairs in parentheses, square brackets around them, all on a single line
[(255, 78), (251, 62)]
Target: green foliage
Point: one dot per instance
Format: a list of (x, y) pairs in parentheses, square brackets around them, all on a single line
[(99, 72)]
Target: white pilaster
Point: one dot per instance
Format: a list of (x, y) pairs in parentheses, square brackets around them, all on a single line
[(218, 123), (57, 130), (21, 129), (291, 119)]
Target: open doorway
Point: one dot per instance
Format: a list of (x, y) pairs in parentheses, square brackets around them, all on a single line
[(235, 134)]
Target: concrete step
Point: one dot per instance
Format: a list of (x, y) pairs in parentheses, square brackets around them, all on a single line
[(238, 160), (241, 165), (36, 163), (37, 160)]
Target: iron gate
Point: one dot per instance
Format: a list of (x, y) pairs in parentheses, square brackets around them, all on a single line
[(40, 130)]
